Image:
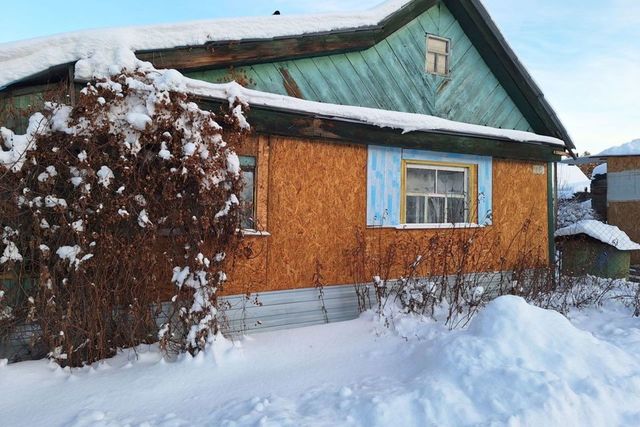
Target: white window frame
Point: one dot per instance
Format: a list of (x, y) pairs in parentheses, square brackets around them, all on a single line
[(447, 56), (466, 196)]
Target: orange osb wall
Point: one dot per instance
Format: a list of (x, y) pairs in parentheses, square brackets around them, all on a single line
[(624, 163), (315, 212)]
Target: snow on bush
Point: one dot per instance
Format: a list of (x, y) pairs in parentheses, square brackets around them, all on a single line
[(102, 200), (571, 211)]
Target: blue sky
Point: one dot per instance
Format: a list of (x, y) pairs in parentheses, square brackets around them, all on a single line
[(584, 54)]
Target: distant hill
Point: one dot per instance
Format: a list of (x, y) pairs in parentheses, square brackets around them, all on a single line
[(630, 148)]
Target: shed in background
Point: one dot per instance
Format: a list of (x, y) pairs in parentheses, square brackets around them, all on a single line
[(594, 248)]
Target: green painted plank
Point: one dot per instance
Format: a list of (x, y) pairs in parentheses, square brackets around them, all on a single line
[(364, 72), (382, 78), (417, 92), (302, 80), (460, 44), (333, 75), (315, 80), (513, 119), (413, 39), (363, 95), (431, 19), (445, 18)]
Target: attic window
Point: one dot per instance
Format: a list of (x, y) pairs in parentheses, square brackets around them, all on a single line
[(438, 50)]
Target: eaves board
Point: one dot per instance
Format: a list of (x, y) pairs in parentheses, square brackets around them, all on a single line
[(273, 121)]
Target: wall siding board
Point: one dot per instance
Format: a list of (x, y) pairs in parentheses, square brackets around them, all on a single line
[(513, 118), (340, 87), (623, 186), (410, 53), (470, 94), (360, 63), (411, 94), (363, 94)]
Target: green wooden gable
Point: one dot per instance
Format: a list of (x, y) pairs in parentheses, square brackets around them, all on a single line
[(391, 75)]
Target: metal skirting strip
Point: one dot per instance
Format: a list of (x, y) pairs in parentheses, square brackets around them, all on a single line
[(623, 186), (266, 311)]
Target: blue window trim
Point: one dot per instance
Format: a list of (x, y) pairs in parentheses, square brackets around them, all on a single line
[(384, 170)]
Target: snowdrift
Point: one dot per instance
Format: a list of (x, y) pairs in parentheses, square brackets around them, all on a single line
[(514, 365)]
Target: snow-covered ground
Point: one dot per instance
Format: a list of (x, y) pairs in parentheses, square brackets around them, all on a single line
[(571, 180), (514, 365)]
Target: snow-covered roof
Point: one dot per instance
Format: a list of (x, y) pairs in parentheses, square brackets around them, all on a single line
[(407, 122), (22, 59), (601, 169), (609, 234), (631, 148)]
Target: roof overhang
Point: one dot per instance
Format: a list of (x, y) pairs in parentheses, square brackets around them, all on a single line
[(299, 124)]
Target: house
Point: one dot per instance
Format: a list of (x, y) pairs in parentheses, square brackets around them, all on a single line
[(616, 188), (401, 122)]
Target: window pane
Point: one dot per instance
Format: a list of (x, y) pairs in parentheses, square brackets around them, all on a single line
[(415, 210), (450, 182), (441, 64), (246, 200), (431, 62), (421, 180), (455, 210), (438, 46), (435, 210)]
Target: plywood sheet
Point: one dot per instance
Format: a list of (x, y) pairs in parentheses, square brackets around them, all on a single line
[(316, 208), (621, 164)]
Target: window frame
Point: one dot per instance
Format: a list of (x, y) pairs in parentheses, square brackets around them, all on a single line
[(254, 169), (470, 194), (447, 56)]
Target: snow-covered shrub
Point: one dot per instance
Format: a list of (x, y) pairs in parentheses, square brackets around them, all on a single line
[(116, 204), (571, 211), (458, 270)]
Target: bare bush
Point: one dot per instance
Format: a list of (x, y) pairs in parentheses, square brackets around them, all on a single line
[(456, 268), (109, 202)]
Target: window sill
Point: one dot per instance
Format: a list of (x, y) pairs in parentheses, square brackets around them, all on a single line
[(249, 232), (437, 226)]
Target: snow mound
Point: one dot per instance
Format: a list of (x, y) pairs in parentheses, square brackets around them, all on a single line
[(631, 148), (572, 211), (601, 169), (605, 233), (515, 365), (521, 365)]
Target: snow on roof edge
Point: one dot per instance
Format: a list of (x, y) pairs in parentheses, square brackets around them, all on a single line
[(21, 59), (407, 122), (609, 234)]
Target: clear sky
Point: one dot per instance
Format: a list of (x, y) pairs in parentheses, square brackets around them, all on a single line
[(585, 54)]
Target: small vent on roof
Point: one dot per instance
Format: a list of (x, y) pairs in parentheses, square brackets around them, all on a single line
[(277, 12)]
